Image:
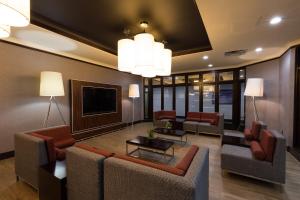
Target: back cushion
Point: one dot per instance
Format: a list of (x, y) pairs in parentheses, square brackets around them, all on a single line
[(255, 130), (50, 148), (257, 151), (193, 116), (58, 134), (162, 167), (212, 118), (157, 115), (94, 150), (185, 163), (267, 143)]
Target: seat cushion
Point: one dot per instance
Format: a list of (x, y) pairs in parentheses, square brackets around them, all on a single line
[(102, 152), (65, 143), (248, 134), (50, 148), (267, 143), (166, 168), (255, 130), (257, 151), (185, 163)]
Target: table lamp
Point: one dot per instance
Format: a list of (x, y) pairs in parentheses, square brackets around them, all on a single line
[(134, 92), (254, 88), (51, 85)]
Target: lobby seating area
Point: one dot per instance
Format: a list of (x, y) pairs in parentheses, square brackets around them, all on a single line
[(150, 100)]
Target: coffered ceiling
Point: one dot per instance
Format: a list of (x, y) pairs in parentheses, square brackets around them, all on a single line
[(230, 25)]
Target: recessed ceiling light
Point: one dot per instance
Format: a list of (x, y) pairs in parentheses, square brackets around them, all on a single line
[(205, 57), (258, 49), (275, 20), (210, 65)]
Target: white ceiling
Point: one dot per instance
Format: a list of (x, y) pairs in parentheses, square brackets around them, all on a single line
[(230, 24)]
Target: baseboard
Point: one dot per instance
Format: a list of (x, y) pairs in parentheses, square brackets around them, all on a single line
[(6, 155), (295, 152), (135, 122)]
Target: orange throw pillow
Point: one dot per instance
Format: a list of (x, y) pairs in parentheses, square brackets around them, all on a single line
[(267, 143), (95, 150), (257, 151)]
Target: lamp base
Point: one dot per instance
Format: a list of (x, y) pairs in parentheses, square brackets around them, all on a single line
[(52, 98)]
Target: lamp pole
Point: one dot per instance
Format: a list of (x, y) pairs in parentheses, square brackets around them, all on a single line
[(254, 108)]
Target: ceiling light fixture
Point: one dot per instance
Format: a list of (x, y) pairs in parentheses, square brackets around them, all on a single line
[(259, 49), (15, 12), (210, 65), (205, 57), (4, 31), (143, 56), (275, 20)]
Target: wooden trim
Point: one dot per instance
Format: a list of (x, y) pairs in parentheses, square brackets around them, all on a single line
[(6, 155), (295, 152)]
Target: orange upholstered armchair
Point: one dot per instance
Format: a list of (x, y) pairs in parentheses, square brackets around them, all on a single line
[(162, 117)]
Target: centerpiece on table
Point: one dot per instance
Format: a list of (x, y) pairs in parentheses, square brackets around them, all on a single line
[(151, 134), (168, 125)]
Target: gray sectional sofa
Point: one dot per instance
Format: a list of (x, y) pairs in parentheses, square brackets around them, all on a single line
[(240, 160), (92, 176)]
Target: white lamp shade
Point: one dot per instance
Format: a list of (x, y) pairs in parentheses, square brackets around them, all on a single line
[(51, 84), (126, 53), (143, 52), (166, 62), (4, 31), (134, 91), (157, 56), (254, 87), (15, 12)]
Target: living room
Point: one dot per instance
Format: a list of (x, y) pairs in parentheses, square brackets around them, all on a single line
[(131, 99)]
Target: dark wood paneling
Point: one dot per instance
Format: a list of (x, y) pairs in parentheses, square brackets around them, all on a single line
[(6, 155), (93, 122), (101, 23), (296, 137)]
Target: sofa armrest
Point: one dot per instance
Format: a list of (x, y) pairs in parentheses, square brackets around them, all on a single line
[(30, 154), (126, 180), (85, 174), (221, 124)]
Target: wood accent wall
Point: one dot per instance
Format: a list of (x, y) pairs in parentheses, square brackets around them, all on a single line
[(92, 123)]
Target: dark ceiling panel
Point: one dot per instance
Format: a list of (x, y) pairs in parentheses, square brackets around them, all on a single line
[(101, 23)]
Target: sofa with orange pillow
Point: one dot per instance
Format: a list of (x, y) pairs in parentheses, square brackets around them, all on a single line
[(39, 147), (160, 118), (265, 158), (202, 122)]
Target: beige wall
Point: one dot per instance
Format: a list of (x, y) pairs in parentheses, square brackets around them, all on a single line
[(21, 107), (275, 108)]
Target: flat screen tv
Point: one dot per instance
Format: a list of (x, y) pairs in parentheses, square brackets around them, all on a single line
[(97, 100)]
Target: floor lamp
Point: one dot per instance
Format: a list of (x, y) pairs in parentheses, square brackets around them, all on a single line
[(51, 85), (254, 88), (134, 93)]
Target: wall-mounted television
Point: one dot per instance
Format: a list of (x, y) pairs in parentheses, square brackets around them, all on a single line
[(98, 100)]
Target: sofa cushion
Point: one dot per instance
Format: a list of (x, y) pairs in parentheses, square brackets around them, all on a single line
[(166, 117), (193, 116), (166, 168), (59, 134), (95, 150), (60, 154), (267, 143), (248, 134), (193, 119), (255, 130), (185, 163), (50, 148), (212, 118), (257, 151), (65, 143)]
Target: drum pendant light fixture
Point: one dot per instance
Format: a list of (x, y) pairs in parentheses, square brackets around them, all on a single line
[(143, 56)]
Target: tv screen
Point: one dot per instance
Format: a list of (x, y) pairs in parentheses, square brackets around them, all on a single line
[(98, 100)]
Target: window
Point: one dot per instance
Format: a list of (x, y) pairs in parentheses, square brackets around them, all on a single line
[(242, 102), (194, 98), (156, 81), (167, 80), (226, 76), (209, 77), (179, 79), (156, 99), (193, 79), (146, 104), (180, 101), (168, 98), (242, 74), (225, 100), (208, 98)]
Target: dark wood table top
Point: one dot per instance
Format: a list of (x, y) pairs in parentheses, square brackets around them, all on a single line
[(156, 143), (167, 131)]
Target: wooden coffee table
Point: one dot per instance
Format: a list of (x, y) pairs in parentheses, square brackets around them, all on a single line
[(172, 132), (156, 145)]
